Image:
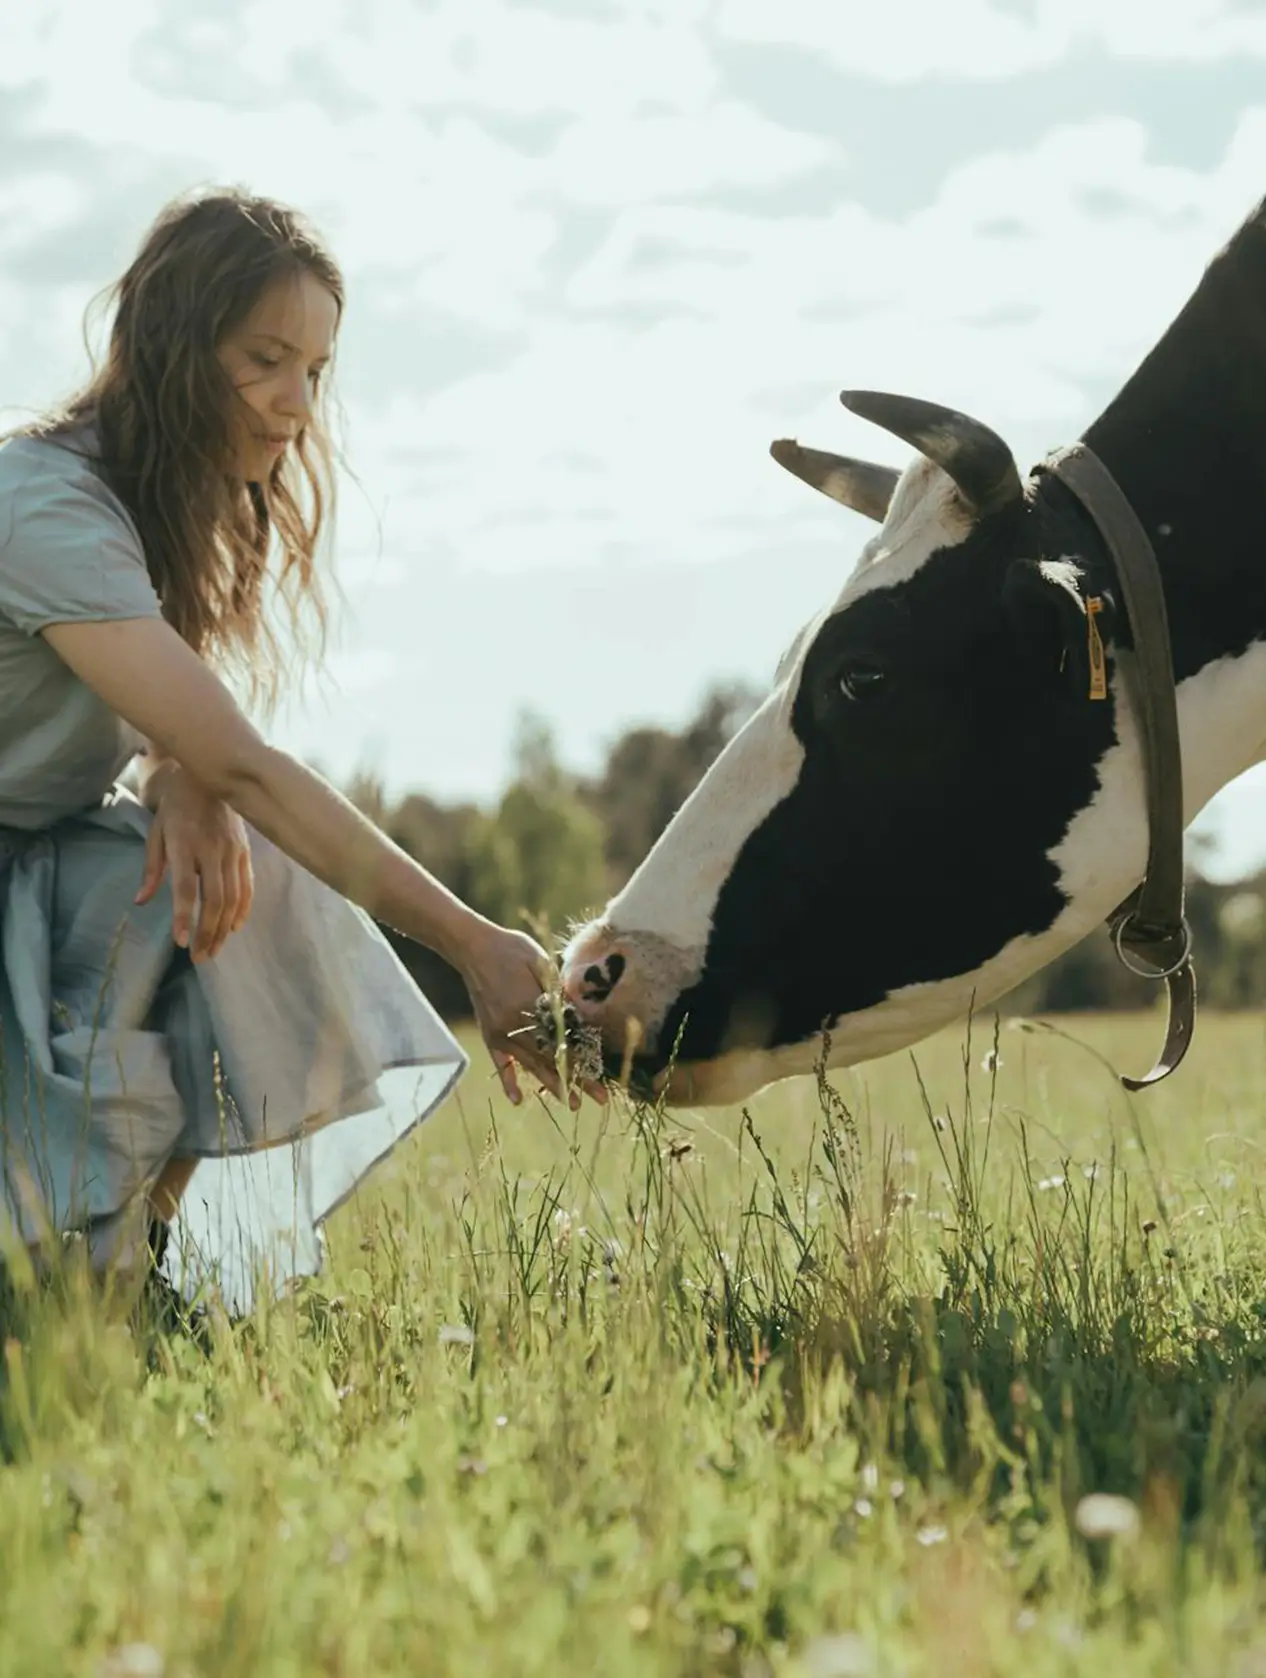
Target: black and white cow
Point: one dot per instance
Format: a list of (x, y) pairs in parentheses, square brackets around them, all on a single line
[(929, 805)]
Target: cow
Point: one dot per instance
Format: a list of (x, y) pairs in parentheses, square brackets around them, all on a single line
[(932, 802)]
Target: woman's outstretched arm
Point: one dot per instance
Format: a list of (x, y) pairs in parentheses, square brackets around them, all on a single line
[(148, 676)]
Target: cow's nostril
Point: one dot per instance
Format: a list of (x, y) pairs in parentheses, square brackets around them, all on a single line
[(592, 982)]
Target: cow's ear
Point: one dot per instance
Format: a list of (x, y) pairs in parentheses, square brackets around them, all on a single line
[(1063, 627)]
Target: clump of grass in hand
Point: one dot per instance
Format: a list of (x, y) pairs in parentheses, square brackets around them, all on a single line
[(558, 1028)]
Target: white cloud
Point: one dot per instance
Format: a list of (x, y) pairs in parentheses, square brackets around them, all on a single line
[(408, 181), (87, 48), (36, 204), (605, 435), (395, 55), (607, 160), (906, 41), (518, 60)]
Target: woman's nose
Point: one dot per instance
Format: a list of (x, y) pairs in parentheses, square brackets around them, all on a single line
[(296, 402)]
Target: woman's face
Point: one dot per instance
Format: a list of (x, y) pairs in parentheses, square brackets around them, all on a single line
[(275, 359)]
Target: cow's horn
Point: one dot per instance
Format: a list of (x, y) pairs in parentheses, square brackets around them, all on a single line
[(977, 459), (859, 484)]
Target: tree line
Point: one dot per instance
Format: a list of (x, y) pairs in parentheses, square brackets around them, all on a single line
[(556, 845)]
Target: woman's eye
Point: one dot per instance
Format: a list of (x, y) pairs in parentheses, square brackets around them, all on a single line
[(861, 681), (264, 361)]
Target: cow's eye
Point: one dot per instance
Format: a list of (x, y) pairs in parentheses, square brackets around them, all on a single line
[(862, 679)]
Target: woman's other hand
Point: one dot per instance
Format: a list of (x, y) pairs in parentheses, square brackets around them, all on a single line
[(204, 843), (505, 973)]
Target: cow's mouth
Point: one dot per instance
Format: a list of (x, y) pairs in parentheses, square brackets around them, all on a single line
[(637, 1076)]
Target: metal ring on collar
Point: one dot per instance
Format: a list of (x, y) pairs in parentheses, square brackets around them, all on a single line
[(1118, 932)]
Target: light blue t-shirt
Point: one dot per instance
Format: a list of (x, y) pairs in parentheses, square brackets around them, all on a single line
[(69, 552)]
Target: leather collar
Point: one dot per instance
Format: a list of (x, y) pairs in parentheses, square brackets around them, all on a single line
[(1149, 930)]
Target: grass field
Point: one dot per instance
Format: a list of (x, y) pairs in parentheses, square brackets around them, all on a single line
[(825, 1390)]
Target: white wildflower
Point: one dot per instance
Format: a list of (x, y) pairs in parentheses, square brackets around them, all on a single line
[(841, 1656), (134, 1660), (1104, 1515)]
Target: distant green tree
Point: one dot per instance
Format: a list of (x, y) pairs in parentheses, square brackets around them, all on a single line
[(539, 856), (650, 773), (438, 836)]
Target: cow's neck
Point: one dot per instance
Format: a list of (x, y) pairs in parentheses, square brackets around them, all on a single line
[(1186, 440)]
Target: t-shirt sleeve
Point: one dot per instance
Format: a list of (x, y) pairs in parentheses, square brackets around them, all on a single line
[(68, 553)]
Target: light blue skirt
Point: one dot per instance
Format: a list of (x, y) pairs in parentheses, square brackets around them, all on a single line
[(288, 1066)]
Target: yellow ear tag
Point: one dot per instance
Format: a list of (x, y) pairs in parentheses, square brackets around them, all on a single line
[(1098, 669)]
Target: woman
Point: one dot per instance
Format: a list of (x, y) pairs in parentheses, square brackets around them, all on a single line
[(191, 973)]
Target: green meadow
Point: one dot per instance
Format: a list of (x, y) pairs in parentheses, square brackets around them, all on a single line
[(950, 1364)]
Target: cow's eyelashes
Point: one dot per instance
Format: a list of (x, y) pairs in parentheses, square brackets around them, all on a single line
[(862, 679)]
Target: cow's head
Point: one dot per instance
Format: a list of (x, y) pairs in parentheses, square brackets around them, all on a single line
[(901, 828)]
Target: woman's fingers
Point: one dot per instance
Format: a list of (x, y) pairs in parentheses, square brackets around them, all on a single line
[(184, 893), (509, 1062), (230, 895), (214, 905), (544, 1068), (235, 897), (246, 887), (155, 863), (547, 1076), (505, 1066)]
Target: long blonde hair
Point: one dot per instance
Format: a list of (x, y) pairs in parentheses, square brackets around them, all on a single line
[(162, 407)]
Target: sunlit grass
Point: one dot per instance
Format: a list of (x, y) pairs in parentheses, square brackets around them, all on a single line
[(821, 1389)]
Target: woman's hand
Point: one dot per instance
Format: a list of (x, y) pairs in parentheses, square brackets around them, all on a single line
[(505, 973), (204, 843)]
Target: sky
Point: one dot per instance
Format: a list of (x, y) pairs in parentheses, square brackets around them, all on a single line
[(599, 253)]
